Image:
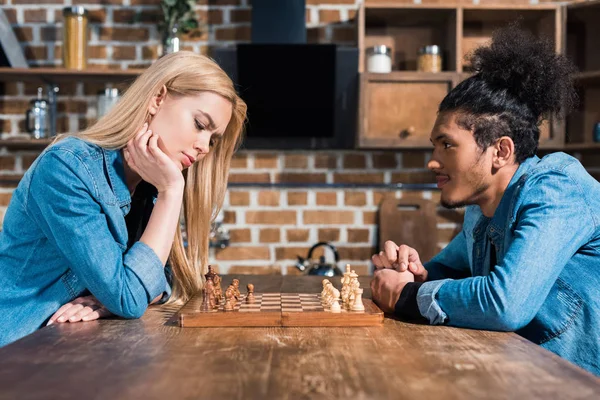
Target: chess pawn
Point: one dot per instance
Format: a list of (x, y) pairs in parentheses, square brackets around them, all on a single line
[(229, 299), (335, 305), (205, 306), (358, 304), (250, 295)]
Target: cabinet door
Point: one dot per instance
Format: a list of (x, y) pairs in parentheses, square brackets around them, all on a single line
[(399, 109)]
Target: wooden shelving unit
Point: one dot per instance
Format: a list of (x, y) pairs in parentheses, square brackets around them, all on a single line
[(25, 144), (411, 98), (58, 75)]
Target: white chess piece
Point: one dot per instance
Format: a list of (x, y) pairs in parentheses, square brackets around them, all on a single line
[(324, 291), (335, 305), (358, 304)]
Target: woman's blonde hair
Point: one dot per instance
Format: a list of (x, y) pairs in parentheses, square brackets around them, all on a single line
[(183, 74)]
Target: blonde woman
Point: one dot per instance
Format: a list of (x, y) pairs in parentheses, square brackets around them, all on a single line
[(94, 221)]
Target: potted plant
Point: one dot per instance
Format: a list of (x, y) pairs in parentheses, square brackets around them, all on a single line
[(179, 17)]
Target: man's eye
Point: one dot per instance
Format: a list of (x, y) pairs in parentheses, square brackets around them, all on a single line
[(447, 145)]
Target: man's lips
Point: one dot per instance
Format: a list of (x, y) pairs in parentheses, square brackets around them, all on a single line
[(441, 180)]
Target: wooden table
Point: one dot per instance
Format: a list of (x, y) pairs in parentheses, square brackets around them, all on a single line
[(151, 359)]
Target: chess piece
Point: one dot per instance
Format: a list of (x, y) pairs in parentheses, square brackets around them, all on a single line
[(205, 306), (229, 299), (327, 298), (358, 304), (218, 289), (250, 295), (236, 285), (335, 305), (346, 286), (353, 285), (324, 282), (210, 274), (209, 289)]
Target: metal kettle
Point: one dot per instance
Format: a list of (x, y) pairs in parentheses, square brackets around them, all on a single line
[(321, 268)]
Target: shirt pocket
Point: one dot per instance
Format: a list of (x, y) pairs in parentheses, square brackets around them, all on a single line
[(558, 312)]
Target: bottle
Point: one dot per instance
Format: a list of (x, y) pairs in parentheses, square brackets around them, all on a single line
[(37, 118), (75, 37)]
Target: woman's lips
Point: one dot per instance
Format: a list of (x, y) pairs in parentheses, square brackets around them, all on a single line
[(441, 180), (187, 161)]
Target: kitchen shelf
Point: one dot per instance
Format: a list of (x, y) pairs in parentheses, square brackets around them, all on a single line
[(56, 75), (25, 144)]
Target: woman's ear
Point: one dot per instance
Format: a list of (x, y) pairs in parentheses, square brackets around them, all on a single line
[(157, 100)]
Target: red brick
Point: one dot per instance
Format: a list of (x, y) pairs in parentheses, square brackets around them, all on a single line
[(297, 235), (97, 52), (326, 198), (328, 217), (369, 217), (36, 15), (384, 160), (413, 159), (413, 177), (289, 177), (250, 178), (5, 199), (243, 253), (290, 253), (325, 161), (72, 106), (269, 235), (144, 2), (11, 15), (358, 235), (233, 33), (138, 34), (356, 253), (97, 16), (297, 198), (239, 161), (355, 198), (123, 16), (254, 270), (327, 16), (239, 198), (239, 16), (269, 198), (7, 163), (353, 161), (5, 125), (124, 52), (271, 217), (229, 217), (23, 33), (329, 235), (265, 161), (368, 177), (37, 2), (240, 235), (296, 161), (13, 106)]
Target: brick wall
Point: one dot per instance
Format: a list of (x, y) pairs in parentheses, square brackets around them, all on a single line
[(269, 227)]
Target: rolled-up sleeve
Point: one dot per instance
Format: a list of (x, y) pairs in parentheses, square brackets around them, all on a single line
[(62, 201)]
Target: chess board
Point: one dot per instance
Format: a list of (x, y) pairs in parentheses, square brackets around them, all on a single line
[(277, 309)]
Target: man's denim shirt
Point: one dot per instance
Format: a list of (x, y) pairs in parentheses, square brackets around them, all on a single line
[(546, 283), (65, 234)]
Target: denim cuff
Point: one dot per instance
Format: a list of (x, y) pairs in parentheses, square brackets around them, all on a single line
[(144, 262), (428, 306)]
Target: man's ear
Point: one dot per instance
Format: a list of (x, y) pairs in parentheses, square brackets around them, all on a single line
[(504, 152), (157, 100)]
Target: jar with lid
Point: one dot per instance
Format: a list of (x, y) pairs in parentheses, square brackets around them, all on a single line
[(37, 118), (75, 37), (379, 59), (430, 59), (107, 98)]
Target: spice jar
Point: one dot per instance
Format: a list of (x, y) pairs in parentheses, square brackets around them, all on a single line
[(75, 37), (379, 59), (430, 59)]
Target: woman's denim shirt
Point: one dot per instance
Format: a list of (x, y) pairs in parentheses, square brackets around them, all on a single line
[(64, 234), (546, 283)]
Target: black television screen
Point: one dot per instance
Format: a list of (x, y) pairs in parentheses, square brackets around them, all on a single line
[(289, 89)]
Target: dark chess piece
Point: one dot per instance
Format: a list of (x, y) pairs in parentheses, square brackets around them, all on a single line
[(205, 306), (250, 296), (210, 275)]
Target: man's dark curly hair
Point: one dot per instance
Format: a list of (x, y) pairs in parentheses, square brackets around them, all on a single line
[(519, 81)]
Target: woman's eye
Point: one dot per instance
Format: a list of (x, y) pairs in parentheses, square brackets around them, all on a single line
[(211, 143), (199, 126)]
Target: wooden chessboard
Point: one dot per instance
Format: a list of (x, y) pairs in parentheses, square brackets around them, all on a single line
[(277, 309)]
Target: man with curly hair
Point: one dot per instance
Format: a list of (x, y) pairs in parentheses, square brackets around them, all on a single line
[(528, 256)]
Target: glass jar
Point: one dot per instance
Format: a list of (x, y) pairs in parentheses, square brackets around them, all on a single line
[(107, 98), (37, 117), (379, 59), (75, 37), (430, 59)]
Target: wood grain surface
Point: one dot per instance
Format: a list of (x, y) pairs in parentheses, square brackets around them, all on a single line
[(150, 358)]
